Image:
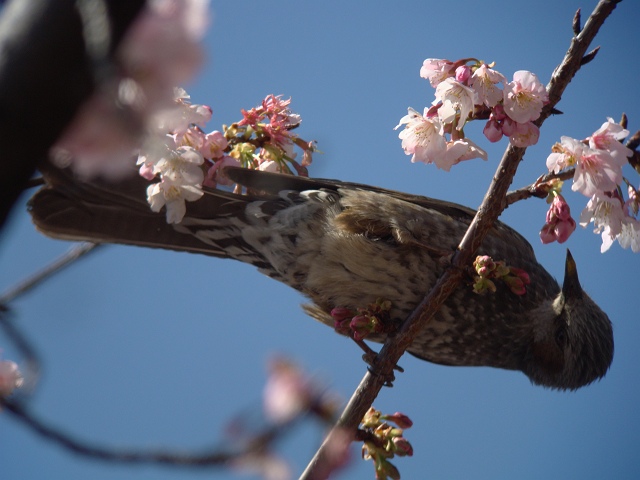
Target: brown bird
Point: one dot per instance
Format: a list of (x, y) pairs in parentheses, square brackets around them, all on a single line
[(347, 245)]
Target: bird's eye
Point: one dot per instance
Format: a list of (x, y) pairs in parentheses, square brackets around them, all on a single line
[(561, 337)]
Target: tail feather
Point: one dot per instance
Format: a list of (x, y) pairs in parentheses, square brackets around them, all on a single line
[(108, 212)]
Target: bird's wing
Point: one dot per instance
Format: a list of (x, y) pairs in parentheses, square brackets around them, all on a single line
[(273, 183)]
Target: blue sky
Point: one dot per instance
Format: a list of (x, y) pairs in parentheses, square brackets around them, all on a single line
[(146, 348)]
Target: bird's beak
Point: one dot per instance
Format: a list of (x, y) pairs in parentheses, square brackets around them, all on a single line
[(571, 286)]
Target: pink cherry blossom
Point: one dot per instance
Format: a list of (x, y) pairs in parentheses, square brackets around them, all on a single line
[(608, 138), (564, 154), (630, 235), (485, 82), (596, 171), (288, 391), (422, 137), (214, 145), (524, 97), (436, 70), (457, 99), (522, 134), (215, 175), (174, 196), (605, 212), (458, 151)]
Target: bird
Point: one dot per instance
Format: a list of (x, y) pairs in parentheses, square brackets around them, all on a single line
[(348, 245)]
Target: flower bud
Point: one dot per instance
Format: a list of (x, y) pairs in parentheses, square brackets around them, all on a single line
[(400, 419), (463, 72), (402, 447)]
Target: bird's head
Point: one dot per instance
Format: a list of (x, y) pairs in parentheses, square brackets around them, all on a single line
[(572, 340)]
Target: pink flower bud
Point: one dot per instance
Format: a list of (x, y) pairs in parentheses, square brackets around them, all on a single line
[(520, 273), (516, 285), (547, 234), (400, 419), (463, 73), (497, 113), (484, 265), (341, 313), (561, 208), (564, 229), (493, 131), (402, 447), (509, 127), (146, 172), (362, 325)]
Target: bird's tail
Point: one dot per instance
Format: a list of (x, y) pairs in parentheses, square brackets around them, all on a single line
[(117, 212)]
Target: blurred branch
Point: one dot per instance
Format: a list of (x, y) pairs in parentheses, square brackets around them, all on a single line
[(164, 457), (492, 205), (75, 253)]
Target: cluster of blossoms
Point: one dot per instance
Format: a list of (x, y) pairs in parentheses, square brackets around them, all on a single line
[(598, 162), (160, 50), (184, 158), (466, 92), (383, 441), (10, 378), (363, 322), (487, 269)]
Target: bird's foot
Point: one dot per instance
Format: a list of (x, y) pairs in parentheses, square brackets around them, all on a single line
[(370, 357)]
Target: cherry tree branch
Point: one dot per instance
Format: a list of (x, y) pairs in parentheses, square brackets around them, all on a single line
[(539, 188), (493, 204)]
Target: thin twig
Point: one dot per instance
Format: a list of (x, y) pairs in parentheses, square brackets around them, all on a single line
[(493, 204), (534, 189), (85, 449), (76, 252)]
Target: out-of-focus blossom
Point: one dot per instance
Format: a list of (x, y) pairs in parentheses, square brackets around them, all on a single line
[(215, 175), (10, 377), (159, 51), (288, 391), (264, 463)]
